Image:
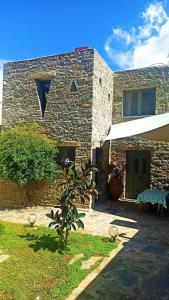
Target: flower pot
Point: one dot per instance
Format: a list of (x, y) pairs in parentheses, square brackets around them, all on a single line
[(115, 188)]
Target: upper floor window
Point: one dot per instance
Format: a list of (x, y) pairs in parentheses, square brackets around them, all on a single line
[(139, 102), (43, 87), (73, 87)]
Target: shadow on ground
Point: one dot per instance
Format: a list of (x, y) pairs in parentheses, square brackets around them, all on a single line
[(44, 242), (141, 269)]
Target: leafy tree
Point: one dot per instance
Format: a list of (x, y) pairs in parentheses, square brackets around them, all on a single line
[(27, 155), (77, 186)]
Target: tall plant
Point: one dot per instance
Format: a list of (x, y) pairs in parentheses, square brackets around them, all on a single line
[(77, 186), (27, 155)]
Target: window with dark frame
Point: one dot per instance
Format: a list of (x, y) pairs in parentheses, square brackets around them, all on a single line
[(139, 102), (66, 153), (73, 88), (43, 87)]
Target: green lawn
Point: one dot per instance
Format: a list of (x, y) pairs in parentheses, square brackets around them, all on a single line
[(35, 268)]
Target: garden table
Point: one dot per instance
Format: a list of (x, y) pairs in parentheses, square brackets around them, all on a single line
[(154, 197)]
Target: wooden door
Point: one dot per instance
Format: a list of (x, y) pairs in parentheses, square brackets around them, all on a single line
[(137, 172)]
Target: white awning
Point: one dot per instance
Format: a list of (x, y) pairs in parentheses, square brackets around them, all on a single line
[(153, 128)]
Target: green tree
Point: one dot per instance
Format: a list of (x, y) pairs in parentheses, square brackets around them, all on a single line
[(27, 155), (76, 186)]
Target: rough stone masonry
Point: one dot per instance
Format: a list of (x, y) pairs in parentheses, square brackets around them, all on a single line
[(84, 98)]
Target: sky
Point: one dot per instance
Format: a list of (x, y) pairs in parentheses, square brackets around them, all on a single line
[(127, 33)]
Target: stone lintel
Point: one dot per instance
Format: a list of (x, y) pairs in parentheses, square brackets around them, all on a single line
[(69, 144), (42, 75)]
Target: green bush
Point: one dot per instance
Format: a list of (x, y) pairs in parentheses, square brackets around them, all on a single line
[(27, 155)]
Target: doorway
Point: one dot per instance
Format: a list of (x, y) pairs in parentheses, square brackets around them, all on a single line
[(137, 172), (101, 155)]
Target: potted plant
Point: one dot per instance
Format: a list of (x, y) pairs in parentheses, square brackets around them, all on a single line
[(115, 182)]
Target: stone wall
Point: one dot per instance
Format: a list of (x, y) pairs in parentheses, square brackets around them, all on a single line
[(37, 193), (151, 77), (82, 117), (45, 193), (68, 115), (12, 196), (102, 99), (159, 172)]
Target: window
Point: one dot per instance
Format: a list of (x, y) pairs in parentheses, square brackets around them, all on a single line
[(139, 103), (109, 97), (73, 87), (66, 153), (100, 81), (43, 87)]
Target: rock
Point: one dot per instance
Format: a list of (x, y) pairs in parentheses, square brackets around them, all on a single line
[(76, 257), (3, 257), (86, 264)]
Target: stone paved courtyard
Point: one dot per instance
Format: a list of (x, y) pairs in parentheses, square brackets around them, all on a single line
[(140, 270)]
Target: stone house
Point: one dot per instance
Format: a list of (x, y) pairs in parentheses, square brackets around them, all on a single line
[(76, 97), (140, 93)]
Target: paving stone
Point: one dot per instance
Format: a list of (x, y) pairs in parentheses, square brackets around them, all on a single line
[(3, 257), (75, 258), (155, 249), (86, 264), (139, 270)]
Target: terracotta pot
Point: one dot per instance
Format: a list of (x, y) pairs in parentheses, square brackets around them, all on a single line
[(115, 188)]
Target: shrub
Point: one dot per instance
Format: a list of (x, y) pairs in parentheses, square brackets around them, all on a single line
[(27, 155)]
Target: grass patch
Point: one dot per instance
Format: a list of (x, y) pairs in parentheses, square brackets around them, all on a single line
[(35, 268)]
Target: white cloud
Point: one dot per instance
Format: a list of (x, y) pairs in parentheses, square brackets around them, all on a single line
[(123, 35), (145, 45), (155, 13)]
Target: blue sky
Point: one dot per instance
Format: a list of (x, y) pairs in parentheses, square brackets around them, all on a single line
[(127, 33)]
